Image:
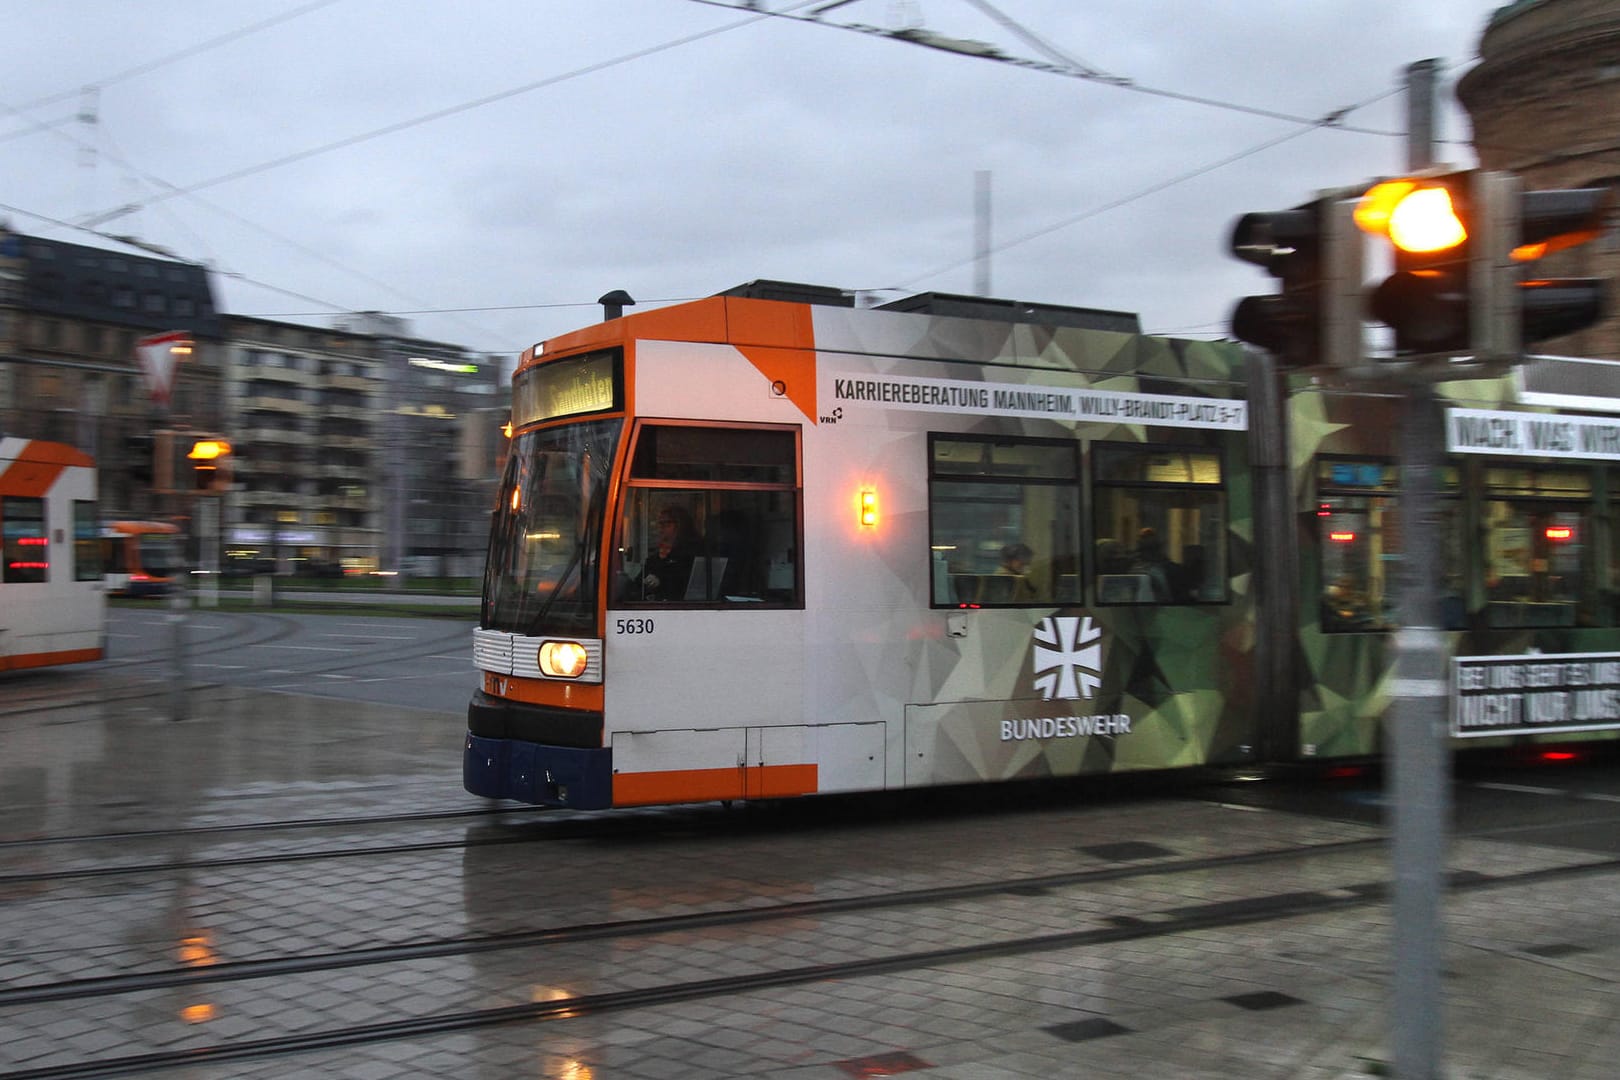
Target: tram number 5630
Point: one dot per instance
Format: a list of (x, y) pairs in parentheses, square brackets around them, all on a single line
[(633, 626)]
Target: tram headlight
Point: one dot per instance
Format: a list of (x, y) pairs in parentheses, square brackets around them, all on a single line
[(562, 659)]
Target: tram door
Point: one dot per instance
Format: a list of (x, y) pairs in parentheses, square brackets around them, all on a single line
[(705, 631)]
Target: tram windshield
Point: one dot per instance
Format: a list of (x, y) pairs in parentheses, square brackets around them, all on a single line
[(545, 538), (160, 554)]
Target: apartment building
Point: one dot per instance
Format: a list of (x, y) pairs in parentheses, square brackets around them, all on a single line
[(443, 446), (70, 316), (359, 447), (304, 407)]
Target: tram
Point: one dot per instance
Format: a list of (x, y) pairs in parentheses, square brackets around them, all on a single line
[(140, 558), (52, 605), (770, 544)]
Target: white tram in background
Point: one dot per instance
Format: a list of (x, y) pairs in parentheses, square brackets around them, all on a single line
[(52, 603), (770, 544)]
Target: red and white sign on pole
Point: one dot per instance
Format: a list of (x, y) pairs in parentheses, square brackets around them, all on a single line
[(158, 355)]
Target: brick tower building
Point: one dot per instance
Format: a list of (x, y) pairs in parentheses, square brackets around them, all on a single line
[(1545, 103)]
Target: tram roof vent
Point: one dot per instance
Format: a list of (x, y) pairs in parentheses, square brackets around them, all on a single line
[(614, 303), (1017, 311), (793, 292)]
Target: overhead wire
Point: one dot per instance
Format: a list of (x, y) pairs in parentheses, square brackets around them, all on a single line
[(1063, 64), (91, 223), (1040, 44), (181, 54), (1066, 68), (440, 114), (1104, 208), (1152, 189)]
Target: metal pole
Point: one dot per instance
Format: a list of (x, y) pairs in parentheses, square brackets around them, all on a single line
[(1420, 79), (1419, 781), (181, 674), (981, 233)]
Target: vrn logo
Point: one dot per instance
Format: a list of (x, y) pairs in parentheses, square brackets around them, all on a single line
[(1067, 660)]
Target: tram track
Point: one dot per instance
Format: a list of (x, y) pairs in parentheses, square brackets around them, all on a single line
[(569, 828), (458, 636), (244, 630), (573, 828), (1170, 922), (1023, 886), (288, 824)]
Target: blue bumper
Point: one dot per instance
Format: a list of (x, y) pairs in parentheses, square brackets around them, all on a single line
[(563, 776)]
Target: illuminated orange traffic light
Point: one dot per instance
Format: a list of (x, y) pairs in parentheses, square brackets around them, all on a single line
[(1460, 240), (210, 464)]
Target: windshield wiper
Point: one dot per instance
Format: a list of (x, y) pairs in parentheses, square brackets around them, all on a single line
[(574, 562)]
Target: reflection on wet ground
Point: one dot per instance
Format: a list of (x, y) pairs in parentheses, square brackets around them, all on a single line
[(287, 884)]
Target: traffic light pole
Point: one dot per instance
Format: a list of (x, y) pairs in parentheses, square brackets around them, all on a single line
[(179, 601), (1461, 304), (1419, 782)]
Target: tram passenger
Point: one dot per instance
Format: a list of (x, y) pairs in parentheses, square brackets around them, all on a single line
[(669, 563), (1162, 574), (1015, 564), (1111, 557)]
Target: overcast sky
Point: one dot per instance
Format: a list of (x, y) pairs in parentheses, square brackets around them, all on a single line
[(516, 159)]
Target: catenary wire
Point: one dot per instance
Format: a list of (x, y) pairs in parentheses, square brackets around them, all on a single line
[(1143, 193), (1068, 69), (440, 114), (172, 191), (170, 58)]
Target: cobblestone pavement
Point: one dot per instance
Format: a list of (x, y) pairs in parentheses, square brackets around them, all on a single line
[(292, 868)]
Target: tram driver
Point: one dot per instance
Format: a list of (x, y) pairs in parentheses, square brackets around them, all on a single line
[(669, 563)]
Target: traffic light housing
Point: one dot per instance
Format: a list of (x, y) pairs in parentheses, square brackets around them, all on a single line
[(210, 458), (1315, 251), (149, 458), (138, 450), (1462, 244)]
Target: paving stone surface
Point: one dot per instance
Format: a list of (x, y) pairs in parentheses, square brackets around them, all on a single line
[(1081, 939)]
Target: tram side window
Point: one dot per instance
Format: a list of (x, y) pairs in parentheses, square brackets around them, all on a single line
[(1005, 521), (1539, 565), (24, 545), (711, 517), (86, 542), (1159, 515), (1359, 537)]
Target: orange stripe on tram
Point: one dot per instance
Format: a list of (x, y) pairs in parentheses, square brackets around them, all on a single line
[(703, 785), (46, 659)]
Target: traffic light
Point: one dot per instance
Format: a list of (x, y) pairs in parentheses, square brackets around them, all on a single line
[(149, 459), (138, 458), (1463, 242), (1316, 253), (210, 458)]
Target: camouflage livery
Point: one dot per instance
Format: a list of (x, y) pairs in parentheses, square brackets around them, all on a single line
[(1179, 678), (1345, 679)]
